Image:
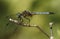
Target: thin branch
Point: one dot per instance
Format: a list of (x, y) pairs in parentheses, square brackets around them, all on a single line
[(28, 25)]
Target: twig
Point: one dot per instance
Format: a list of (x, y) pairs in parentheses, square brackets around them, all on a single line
[(28, 25)]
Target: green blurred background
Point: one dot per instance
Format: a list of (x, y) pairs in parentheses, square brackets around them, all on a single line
[(13, 31)]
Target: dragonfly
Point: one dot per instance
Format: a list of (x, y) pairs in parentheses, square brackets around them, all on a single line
[(26, 14)]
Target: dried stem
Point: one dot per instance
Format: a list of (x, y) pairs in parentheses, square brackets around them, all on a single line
[(28, 25)]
